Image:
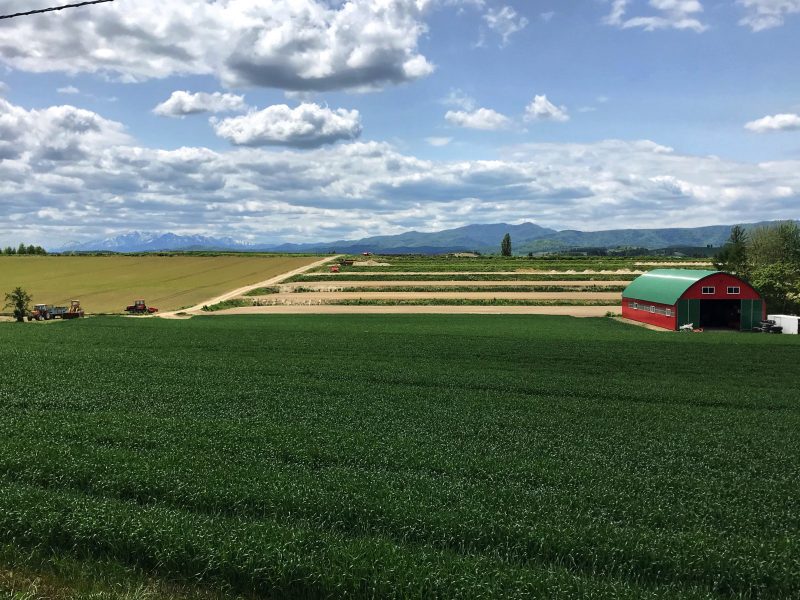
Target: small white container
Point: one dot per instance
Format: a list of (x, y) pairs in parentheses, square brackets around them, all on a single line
[(790, 323)]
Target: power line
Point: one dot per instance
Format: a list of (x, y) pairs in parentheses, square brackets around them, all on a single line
[(53, 9)]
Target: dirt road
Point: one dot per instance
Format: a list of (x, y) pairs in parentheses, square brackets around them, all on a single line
[(506, 273), (243, 290)]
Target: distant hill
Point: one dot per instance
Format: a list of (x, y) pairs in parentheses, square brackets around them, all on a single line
[(526, 237)]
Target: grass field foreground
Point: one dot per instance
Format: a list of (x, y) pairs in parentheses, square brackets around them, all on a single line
[(407, 456), (107, 284)]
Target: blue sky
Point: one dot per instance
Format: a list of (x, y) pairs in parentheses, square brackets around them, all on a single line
[(320, 119)]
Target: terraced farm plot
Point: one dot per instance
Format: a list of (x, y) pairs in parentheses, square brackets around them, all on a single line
[(405, 456), (107, 284), (445, 282)]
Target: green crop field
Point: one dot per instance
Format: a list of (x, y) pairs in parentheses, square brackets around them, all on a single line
[(399, 456), (444, 262), (107, 284)]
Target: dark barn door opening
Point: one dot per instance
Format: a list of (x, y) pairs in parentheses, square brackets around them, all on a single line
[(720, 314)]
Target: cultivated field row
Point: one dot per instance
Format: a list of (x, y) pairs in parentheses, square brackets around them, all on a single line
[(410, 283)]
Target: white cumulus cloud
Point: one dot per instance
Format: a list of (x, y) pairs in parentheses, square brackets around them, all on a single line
[(181, 103), (481, 118), (782, 122), (505, 22), (287, 44), (307, 126), (541, 109), (69, 90), (765, 14), (670, 14)]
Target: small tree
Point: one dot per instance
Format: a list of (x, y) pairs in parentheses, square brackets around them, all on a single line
[(19, 300), (505, 245), (733, 256)]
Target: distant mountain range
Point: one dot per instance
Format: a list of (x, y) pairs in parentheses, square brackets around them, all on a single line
[(153, 242), (527, 237)]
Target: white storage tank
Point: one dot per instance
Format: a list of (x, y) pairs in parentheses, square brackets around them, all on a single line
[(788, 322)]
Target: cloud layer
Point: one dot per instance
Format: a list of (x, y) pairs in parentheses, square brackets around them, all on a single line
[(288, 44), (69, 174), (307, 126), (181, 103)]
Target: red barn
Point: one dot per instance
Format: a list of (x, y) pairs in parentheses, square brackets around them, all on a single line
[(670, 298)]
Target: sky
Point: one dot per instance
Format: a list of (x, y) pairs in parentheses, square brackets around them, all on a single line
[(316, 120)]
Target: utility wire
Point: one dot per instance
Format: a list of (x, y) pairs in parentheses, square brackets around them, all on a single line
[(53, 9)]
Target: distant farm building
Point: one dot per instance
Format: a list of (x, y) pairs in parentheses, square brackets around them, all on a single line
[(671, 298)]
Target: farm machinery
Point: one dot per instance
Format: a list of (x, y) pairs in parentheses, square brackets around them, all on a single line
[(768, 326), (139, 307), (45, 312)]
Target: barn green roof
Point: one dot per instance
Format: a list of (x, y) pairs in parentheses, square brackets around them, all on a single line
[(664, 286)]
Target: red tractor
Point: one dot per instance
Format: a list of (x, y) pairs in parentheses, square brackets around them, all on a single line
[(140, 308)]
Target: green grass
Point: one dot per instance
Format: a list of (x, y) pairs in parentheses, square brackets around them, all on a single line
[(420, 263), (406, 455), (107, 284), (263, 291), (225, 304)]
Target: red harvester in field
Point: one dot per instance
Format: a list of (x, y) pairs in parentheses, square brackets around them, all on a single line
[(140, 308)]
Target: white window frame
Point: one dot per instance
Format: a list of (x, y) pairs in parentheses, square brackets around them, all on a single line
[(652, 309), (668, 313), (734, 289), (705, 291)]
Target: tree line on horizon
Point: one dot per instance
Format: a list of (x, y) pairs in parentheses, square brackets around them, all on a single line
[(769, 258), (22, 249)]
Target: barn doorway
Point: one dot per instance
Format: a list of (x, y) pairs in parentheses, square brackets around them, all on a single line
[(720, 314)]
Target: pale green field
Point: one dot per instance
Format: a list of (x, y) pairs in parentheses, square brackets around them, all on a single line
[(107, 284)]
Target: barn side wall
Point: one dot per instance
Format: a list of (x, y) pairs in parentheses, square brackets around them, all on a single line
[(665, 315)]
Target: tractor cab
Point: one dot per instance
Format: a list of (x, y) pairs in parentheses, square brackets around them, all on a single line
[(39, 312)]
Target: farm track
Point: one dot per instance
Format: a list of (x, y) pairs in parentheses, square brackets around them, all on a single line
[(487, 272), (243, 290)]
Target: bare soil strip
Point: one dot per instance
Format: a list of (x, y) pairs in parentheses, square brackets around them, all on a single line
[(300, 298), (243, 290), (320, 309), (344, 274), (325, 286)]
